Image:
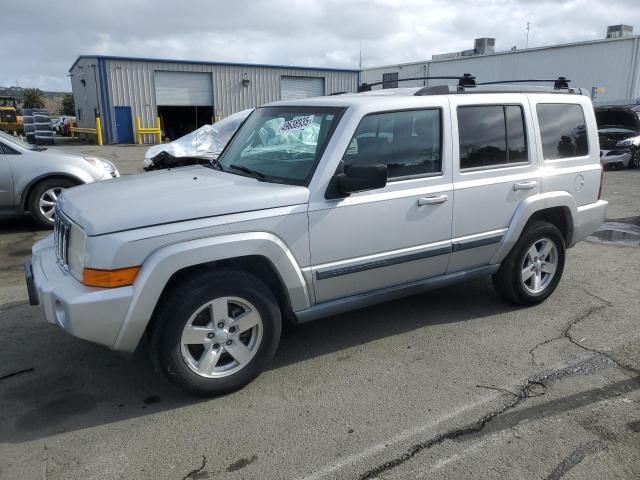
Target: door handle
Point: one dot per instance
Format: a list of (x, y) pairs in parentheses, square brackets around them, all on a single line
[(526, 185), (432, 200)]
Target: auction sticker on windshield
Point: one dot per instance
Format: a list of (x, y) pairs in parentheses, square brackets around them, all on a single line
[(298, 123)]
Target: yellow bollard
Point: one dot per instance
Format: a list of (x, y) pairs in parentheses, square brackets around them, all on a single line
[(159, 130), (99, 130), (139, 126)]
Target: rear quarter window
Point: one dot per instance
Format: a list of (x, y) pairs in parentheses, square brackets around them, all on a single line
[(563, 130)]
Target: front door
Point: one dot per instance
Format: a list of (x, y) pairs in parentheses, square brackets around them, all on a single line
[(6, 182), (495, 169), (124, 125), (393, 235)]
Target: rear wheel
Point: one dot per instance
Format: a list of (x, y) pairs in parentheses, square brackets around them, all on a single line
[(533, 268), (216, 332), (43, 199)]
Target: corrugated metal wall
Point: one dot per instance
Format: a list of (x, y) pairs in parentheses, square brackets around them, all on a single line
[(407, 70), (612, 64), (85, 94), (131, 83)]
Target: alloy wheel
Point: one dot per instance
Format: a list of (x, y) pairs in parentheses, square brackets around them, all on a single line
[(47, 202), (539, 265), (221, 337)]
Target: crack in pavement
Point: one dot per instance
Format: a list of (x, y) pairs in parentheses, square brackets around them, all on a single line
[(14, 306), (577, 456), (525, 391), (196, 472), (19, 372), (566, 333)]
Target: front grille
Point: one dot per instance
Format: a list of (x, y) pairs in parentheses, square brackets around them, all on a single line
[(61, 229)]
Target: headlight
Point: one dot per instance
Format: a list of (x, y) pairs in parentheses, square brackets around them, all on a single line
[(75, 252), (625, 143), (100, 163)]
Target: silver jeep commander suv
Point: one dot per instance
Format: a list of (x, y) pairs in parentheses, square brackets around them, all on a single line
[(321, 206)]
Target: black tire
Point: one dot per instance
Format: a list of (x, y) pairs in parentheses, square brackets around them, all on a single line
[(37, 192), (185, 300), (508, 280), (635, 158)]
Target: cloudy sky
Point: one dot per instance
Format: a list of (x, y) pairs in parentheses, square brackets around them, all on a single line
[(41, 39)]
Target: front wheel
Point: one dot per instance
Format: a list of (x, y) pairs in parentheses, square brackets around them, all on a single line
[(533, 268), (43, 199), (215, 332)]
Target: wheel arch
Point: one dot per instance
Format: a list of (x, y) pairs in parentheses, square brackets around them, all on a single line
[(558, 208), (257, 265), (28, 189), (262, 254)]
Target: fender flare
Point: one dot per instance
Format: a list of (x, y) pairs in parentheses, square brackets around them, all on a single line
[(527, 208), (162, 264)]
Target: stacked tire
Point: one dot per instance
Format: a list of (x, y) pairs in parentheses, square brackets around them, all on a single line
[(42, 126), (29, 129)]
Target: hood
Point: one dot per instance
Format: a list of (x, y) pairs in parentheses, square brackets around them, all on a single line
[(609, 136), (166, 196)]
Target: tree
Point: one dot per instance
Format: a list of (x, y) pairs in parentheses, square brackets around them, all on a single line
[(32, 98), (68, 105)]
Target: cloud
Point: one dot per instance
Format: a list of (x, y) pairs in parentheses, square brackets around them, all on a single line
[(41, 39)]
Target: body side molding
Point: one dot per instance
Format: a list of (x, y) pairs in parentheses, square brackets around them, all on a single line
[(366, 299)]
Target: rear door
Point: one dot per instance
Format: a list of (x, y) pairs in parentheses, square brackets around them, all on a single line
[(495, 169)]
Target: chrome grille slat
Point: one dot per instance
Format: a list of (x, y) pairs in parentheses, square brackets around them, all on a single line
[(61, 228)]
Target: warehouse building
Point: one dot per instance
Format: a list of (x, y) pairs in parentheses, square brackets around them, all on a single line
[(609, 67), (186, 95)]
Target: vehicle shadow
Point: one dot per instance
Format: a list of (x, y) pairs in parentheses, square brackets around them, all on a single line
[(51, 382)]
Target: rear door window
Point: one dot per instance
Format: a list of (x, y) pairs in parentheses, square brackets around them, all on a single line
[(491, 136), (563, 130)]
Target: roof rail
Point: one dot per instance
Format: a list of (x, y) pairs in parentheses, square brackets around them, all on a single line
[(466, 80), (558, 83), (452, 89)]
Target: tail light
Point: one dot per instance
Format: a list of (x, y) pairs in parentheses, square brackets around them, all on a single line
[(601, 182)]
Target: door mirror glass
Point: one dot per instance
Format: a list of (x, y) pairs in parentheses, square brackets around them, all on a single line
[(357, 178)]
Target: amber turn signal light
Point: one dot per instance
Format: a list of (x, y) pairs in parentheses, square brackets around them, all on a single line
[(109, 278)]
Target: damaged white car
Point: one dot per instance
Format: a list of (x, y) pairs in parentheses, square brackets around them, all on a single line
[(198, 147)]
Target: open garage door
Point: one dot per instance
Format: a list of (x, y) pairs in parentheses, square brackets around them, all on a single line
[(184, 100), (293, 88)]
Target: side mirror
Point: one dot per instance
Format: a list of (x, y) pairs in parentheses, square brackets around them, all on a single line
[(357, 178)]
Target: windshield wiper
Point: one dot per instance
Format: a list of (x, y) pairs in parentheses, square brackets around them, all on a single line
[(214, 163), (253, 173)]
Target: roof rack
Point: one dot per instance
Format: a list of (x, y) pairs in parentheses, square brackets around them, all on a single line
[(560, 85), (466, 80)]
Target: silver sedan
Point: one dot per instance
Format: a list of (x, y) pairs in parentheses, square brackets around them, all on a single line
[(32, 177)]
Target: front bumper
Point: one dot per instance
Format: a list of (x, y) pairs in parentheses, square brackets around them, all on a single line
[(620, 160), (93, 314), (588, 220)]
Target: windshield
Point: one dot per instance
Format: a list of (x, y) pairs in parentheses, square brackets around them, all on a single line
[(281, 144), (13, 141)]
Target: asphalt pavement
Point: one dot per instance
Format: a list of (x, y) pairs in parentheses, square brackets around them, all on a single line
[(450, 384)]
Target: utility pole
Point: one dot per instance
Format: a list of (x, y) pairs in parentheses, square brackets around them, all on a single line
[(360, 59), (527, 42)]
